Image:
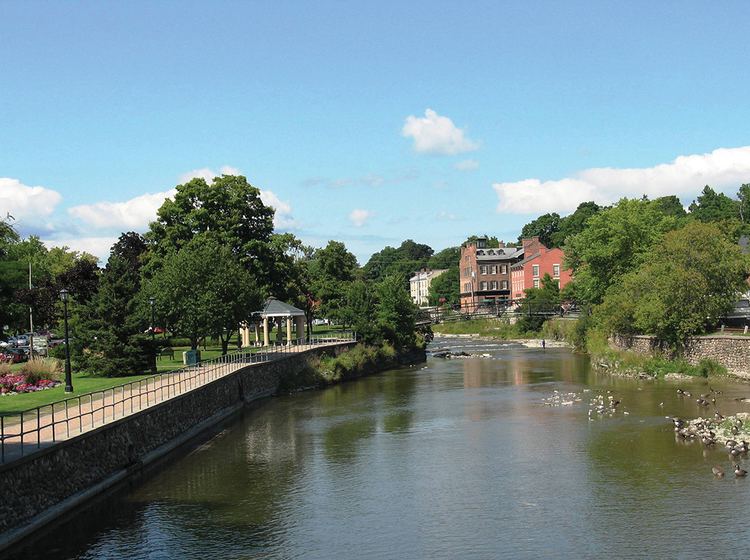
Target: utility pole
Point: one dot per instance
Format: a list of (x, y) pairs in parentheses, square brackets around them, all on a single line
[(31, 320)]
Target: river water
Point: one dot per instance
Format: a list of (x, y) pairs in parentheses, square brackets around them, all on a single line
[(451, 459)]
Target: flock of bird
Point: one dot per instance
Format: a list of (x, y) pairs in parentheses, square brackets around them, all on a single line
[(718, 430), (714, 431)]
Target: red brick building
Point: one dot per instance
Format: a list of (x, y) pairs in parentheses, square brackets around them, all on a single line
[(538, 260), (484, 273)]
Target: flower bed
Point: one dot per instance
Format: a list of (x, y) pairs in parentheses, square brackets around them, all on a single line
[(12, 384)]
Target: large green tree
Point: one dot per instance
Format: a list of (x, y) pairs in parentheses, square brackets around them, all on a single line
[(332, 269), (447, 258), (445, 288), (402, 261), (202, 290), (395, 313), (230, 209), (544, 227), (687, 282), (109, 331), (712, 206), (613, 244)]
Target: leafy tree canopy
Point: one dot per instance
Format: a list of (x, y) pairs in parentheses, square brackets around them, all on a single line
[(711, 206), (614, 243), (544, 227), (229, 208), (445, 288), (445, 259), (690, 279), (401, 261)]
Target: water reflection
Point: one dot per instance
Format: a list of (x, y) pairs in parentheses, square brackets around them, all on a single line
[(456, 459)]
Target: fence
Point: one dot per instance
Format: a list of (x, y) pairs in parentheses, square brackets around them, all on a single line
[(27, 431), (499, 308)]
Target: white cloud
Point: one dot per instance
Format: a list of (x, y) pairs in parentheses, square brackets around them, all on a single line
[(133, 214), (25, 202), (358, 216), (282, 218), (435, 134), (97, 246), (208, 174), (467, 165), (684, 176), (138, 212)]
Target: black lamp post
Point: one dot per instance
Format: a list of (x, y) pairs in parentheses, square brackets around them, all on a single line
[(152, 302), (68, 376)]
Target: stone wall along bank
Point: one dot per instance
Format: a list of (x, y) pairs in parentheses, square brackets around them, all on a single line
[(733, 352), (45, 484)]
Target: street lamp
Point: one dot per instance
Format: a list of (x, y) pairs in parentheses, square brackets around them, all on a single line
[(152, 302), (68, 376)]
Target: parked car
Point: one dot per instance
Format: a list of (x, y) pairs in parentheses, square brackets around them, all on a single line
[(740, 313), (14, 355)]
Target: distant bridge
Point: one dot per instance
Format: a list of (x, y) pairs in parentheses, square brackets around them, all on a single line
[(512, 309)]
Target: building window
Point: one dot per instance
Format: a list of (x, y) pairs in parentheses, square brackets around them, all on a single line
[(504, 269), (494, 269), (536, 282), (504, 285), (483, 269), (493, 285), (535, 273), (556, 270), (483, 286)]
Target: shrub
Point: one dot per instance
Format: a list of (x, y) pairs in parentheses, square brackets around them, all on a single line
[(710, 368), (38, 369), (4, 369)]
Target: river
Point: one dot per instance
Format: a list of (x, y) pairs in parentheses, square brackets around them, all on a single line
[(449, 459)]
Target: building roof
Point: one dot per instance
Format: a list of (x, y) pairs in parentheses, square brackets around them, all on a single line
[(425, 274), (524, 261), (499, 253), (276, 308)]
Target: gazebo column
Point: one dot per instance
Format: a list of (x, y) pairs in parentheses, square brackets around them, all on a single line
[(300, 328), (245, 332), (288, 331), (256, 326), (266, 338)]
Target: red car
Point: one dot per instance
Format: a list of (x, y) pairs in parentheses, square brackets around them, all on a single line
[(14, 355)]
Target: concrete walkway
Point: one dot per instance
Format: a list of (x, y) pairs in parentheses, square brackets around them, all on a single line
[(26, 433)]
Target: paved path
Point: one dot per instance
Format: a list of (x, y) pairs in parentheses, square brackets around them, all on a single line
[(67, 419)]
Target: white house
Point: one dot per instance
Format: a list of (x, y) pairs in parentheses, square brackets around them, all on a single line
[(420, 285)]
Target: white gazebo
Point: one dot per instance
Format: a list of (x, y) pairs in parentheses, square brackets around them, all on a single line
[(275, 311)]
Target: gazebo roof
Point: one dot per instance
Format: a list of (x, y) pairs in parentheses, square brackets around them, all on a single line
[(275, 308)]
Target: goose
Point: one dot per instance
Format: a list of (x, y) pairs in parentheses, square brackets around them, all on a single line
[(738, 472), (718, 471), (719, 417)]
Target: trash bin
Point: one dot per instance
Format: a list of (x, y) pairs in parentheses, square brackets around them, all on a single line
[(191, 357)]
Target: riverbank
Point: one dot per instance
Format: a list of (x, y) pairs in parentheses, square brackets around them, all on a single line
[(360, 361)]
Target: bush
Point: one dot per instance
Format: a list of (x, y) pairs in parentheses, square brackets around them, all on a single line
[(5, 369), (710, 368), (38, 369)]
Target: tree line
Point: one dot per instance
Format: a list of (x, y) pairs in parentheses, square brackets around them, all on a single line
[(653, 267), (207, 262)]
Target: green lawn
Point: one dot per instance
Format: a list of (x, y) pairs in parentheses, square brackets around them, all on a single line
[(87, 383), (82, 383)]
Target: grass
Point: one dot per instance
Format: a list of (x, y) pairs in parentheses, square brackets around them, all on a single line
[(82, 383), (87, 382), (656, 366)]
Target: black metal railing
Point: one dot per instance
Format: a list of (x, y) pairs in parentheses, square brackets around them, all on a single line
[(24, 432)]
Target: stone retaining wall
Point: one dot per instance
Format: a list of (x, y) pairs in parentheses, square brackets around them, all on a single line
[(733, 352), (95, 460)]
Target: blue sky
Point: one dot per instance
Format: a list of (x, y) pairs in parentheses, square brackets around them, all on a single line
[(366, 122)]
